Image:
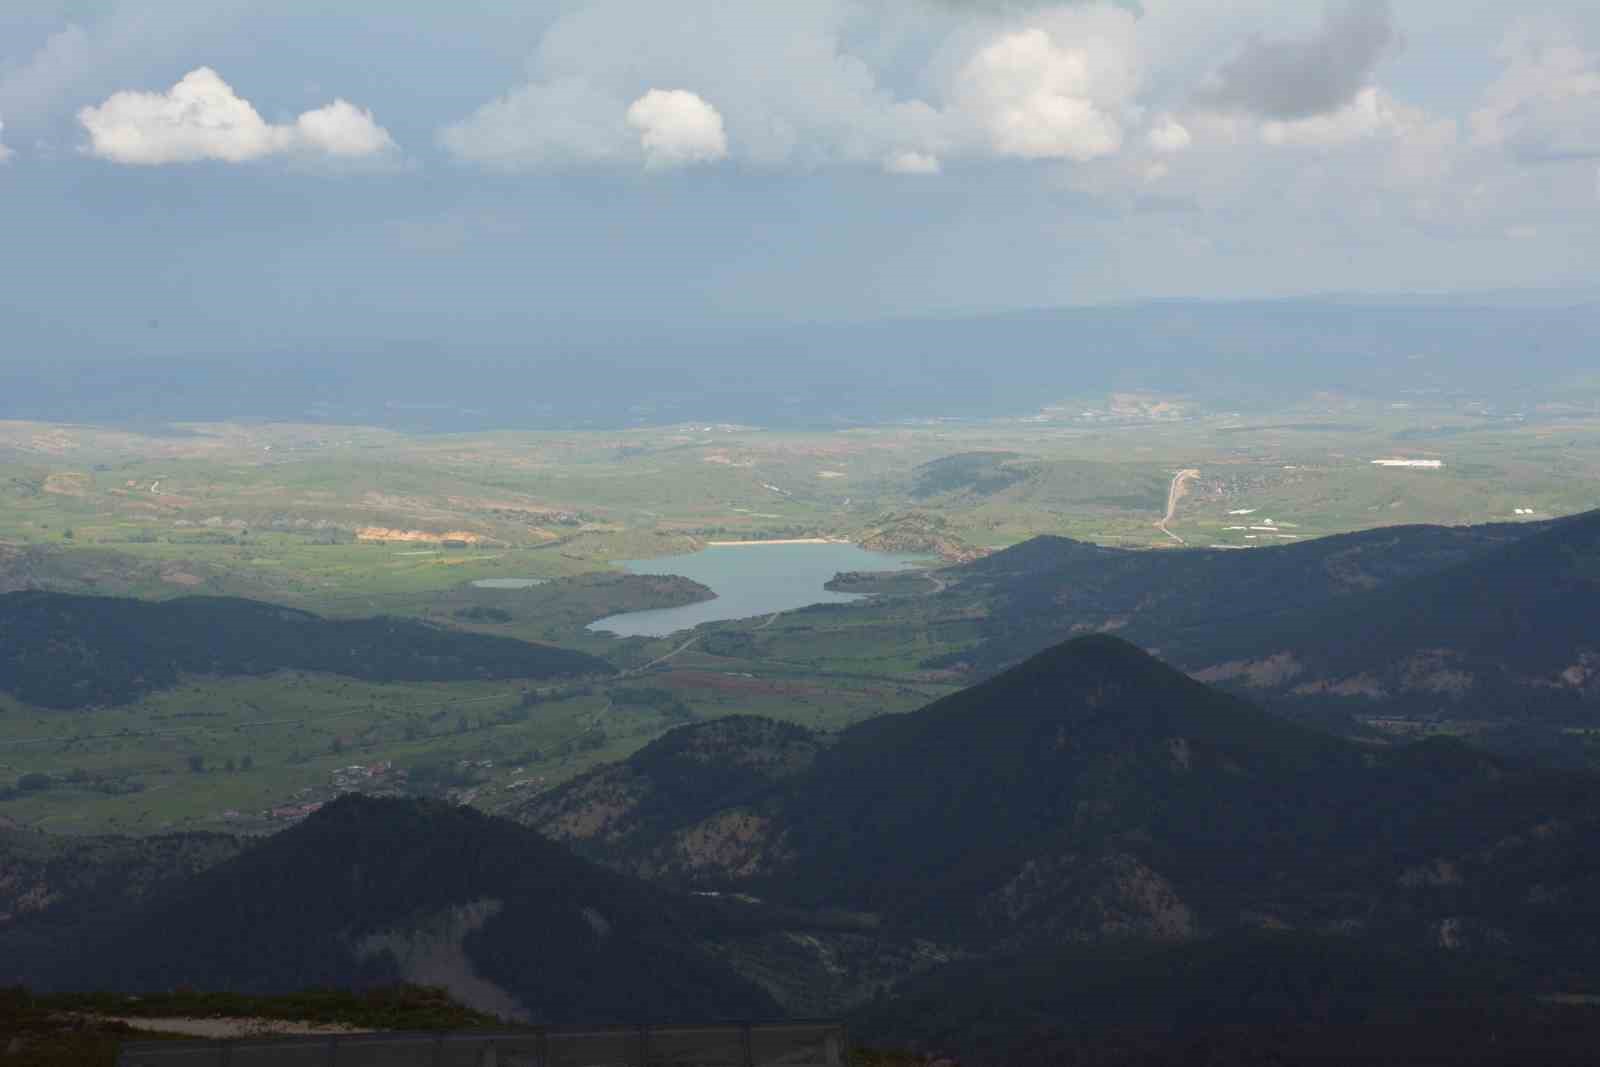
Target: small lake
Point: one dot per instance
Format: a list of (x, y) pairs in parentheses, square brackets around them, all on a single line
[(750, 580)]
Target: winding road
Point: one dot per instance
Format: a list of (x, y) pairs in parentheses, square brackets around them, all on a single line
[(1175, 493)]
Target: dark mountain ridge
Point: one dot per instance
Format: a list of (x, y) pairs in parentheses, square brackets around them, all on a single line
[(61, 650), (1511, 633), (1093, 793), (369, 891), (1087, 825), (1178, 601)]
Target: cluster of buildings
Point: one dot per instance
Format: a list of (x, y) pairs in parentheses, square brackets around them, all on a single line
[(1267, 526), (293, 812), (356, 778), (356, 775)]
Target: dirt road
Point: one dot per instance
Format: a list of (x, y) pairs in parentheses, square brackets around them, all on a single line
[(1176, 492), (660, 659)]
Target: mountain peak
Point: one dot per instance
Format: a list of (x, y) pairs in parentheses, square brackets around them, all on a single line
[(1105, 693)]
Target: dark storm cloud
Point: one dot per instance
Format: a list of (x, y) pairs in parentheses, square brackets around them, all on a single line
[(1296, 78)]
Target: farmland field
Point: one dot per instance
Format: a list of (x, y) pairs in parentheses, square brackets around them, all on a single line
[(352, 521)]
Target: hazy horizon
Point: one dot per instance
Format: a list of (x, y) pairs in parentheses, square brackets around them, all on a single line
[(1499, 354), (228, 177)]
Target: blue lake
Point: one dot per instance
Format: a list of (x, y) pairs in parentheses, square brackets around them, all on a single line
[(749, 580)]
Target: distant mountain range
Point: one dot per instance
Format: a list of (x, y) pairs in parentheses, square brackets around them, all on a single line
[(59, 650), (1232, 356)]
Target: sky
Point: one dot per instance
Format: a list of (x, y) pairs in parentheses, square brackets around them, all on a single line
[(229, 175)]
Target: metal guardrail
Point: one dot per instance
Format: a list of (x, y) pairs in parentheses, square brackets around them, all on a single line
[(797, 1044)]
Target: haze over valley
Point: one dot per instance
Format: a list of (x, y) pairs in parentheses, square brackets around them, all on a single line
[(1054, 532)]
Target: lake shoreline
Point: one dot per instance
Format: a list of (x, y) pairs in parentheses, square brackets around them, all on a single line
[(782, 541), (791, 574)]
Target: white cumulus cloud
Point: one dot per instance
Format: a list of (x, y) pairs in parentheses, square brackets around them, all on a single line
[(829, 82), (202, 118), (912, 163), (342, 129), (1546, 103), (91, 57), (1039, 97), (1169, 136), (564, 121), (677, 128), (786, 80)]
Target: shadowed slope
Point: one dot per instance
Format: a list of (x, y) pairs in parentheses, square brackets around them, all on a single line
[(1092, 793), (64, 651), (369, 891)]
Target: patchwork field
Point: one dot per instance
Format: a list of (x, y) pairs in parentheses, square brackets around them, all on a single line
[(360, 521)]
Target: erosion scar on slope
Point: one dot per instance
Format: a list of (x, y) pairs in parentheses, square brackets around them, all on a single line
[(1175, 493)]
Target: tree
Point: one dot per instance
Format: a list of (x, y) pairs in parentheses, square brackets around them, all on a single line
[(247, 762), (197, 763)]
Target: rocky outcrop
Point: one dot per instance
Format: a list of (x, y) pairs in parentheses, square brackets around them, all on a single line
[(431, 952), (1265, 673)]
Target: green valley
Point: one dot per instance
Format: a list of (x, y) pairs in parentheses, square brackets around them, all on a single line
[(516, 536)]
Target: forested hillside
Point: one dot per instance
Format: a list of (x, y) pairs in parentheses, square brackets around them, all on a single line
[(1094, 793), (1512, 633), (1049, 588), (63, 651)]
